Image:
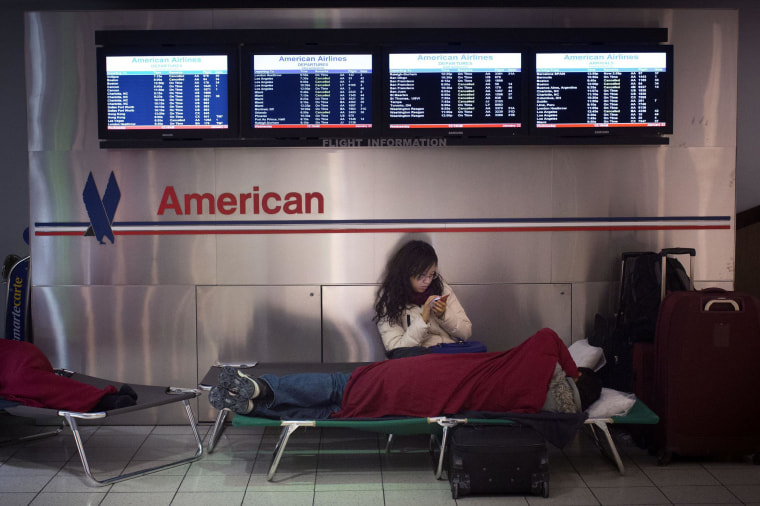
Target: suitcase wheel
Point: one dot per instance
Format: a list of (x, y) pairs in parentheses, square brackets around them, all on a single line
[(460, 484), (541, 488)]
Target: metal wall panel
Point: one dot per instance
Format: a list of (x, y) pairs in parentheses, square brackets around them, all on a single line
[(411, 17), (348, 332), (666, 182), (504, 315), (244, 324), (128, 334), (706, 55), (258, 323)]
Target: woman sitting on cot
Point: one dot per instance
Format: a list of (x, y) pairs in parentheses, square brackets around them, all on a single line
[(537, 375), (415, 307)]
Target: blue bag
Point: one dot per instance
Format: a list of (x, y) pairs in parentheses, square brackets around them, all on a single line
[(459, 347)]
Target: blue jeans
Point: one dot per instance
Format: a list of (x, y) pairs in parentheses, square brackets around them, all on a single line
[(307, 396)]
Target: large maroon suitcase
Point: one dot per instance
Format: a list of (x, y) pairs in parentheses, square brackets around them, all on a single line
[(707, 351)]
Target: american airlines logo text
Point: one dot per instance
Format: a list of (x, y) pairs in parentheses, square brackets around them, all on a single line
[(255, 202)]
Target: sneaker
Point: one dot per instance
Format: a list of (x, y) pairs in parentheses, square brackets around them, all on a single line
[(235, 380), (227, 377), (222, 398)]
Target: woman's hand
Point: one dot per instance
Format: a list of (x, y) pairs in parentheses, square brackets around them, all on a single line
[(438, 305), (426, 308)]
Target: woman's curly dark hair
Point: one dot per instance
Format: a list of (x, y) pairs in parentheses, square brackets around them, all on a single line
[(413, 259)]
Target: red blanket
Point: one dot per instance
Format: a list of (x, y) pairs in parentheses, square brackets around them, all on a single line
[(27, 377), (430, 385)]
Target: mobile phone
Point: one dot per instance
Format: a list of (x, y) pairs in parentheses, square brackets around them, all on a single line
[(441, 298)]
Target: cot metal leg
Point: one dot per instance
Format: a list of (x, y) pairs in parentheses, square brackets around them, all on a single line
[(71, 420), (279, 449), (610, 449), (444, 440), (216, 431), (389, 443), (33, 437), (446, 424)]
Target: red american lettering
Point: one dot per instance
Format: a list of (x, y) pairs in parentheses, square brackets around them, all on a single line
[(242, 203)]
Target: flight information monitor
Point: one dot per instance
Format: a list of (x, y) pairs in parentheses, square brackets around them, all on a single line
[(300, 91), (603, 90), (167, 92), (454, 90)]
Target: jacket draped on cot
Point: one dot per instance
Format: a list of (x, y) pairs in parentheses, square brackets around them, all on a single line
[(413, 331), (430, 385), (27, 377)]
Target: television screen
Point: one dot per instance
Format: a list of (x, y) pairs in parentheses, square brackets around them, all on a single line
[(600, 92), (165, 93), (327, 91), (454, 93)]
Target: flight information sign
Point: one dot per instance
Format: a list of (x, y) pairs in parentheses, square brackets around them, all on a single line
[(579, 90), (311, 91), (167, 92), (454, 90)]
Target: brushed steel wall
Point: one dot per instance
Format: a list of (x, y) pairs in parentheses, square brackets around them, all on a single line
[(159, 308), (131, 334)]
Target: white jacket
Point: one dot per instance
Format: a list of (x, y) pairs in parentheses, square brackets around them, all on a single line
[(413, 331)]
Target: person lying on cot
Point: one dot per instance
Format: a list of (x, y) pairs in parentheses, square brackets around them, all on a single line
[(537, 375), (27, 377)]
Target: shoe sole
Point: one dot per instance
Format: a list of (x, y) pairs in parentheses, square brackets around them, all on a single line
[(231, 379), (222, 398)]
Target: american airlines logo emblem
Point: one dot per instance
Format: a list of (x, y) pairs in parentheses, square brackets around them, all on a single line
[(101, 210)]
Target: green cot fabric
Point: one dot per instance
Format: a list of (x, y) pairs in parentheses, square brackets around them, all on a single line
[(639, 414), (385, 426)]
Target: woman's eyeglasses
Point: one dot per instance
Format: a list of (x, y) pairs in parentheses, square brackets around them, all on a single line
[(427, 277)]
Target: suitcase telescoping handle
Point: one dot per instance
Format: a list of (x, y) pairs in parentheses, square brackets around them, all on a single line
[(722, 300), (678, 251), (664, 262)]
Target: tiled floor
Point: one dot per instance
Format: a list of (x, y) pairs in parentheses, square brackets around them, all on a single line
[(336, 467)]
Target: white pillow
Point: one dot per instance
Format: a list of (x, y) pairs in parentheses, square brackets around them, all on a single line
[(611, 403), (585, 355)]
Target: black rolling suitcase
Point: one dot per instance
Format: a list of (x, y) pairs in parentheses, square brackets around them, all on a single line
[(498, 459)]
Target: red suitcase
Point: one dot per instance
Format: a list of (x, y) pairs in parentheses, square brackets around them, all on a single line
[(707, 349)]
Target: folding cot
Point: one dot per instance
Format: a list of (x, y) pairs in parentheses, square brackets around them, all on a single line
[(147, 397), (438, 427)]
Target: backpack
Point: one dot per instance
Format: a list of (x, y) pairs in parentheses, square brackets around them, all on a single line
[(640, 292), (636, 319)]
